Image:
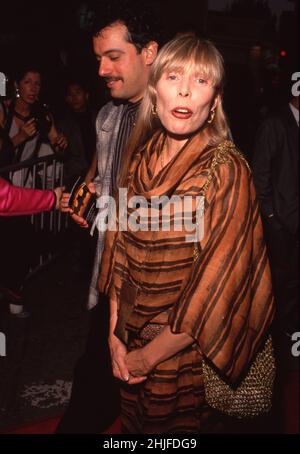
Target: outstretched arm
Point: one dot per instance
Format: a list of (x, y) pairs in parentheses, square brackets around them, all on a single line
[(15, 201)]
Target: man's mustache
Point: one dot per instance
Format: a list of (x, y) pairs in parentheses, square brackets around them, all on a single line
[(112, 79)]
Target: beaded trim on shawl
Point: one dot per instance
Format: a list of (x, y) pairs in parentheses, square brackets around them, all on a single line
[(221, 156)]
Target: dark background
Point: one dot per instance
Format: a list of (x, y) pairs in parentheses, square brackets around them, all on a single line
[(258, 39)]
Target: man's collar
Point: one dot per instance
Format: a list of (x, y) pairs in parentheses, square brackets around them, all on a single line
[(136, 103)]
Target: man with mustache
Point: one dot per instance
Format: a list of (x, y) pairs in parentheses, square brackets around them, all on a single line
[(125, 45)]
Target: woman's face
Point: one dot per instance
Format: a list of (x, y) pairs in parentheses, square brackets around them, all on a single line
[(184, 101), (30, 87)]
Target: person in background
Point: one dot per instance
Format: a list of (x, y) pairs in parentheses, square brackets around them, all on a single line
[(27, 122), (16, 201), (78, 122), (125, 45), (78, 101), (27, 125), (6, 149), (275, 168)]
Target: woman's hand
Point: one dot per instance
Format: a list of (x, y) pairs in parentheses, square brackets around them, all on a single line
[(64, 203), (59, 193), (118, 353), (137, 364), (28, 130), (118, 350), (65, 208)]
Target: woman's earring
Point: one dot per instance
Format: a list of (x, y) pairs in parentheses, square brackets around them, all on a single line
[(17, 93), (153, 110), (211, 116)]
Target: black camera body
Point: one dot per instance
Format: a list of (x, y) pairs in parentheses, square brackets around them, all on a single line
[(41, 115)]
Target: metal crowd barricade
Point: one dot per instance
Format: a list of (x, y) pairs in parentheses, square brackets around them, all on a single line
[(40, 173)]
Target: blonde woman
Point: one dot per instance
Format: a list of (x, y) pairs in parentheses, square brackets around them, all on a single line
[(175, 301)]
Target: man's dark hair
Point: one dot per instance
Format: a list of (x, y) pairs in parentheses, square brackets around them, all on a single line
[(139, 17)]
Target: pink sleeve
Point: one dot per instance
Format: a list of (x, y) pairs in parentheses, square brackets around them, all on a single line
[(15, 201)]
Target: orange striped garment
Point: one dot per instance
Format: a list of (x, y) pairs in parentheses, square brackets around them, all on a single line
[(223, 299)]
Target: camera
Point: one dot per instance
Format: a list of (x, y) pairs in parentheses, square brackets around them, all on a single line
[(41, 114)]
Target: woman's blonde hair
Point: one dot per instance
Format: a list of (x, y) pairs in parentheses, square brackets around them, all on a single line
[(184, 54)]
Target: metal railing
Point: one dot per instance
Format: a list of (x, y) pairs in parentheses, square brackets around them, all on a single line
[(41, 173)]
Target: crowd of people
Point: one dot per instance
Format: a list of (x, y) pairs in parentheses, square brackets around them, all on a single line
[(166, 304)]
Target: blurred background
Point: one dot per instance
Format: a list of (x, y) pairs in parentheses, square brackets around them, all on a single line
[(258, 39)]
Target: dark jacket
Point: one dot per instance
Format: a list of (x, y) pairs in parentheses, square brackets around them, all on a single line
[(276, 169)]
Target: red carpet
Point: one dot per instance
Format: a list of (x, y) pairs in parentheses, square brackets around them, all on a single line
[(43, 427), (290, 407), (49, 425)]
